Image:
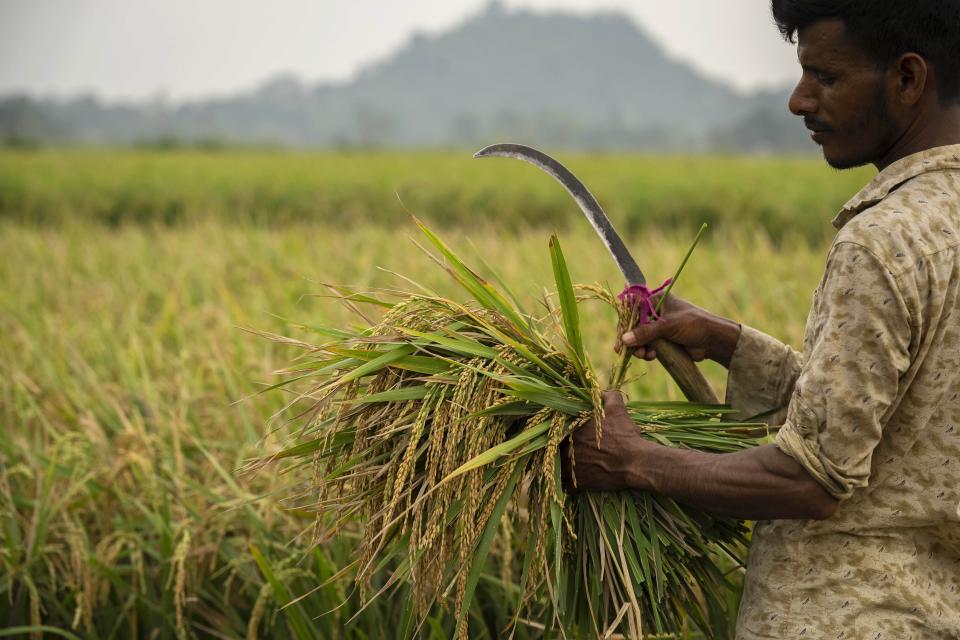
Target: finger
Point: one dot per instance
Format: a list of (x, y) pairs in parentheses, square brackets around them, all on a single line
[(643, 334), (613, 403), (645, 353)]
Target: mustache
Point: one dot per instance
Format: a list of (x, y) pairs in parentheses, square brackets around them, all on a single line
[(815, 125)]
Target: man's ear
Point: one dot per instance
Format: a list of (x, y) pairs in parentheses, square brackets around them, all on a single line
[(913, 78)]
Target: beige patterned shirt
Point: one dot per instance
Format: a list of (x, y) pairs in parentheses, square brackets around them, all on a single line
[(871, 409)]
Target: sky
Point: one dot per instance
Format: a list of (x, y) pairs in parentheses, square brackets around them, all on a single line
[(183, 49)]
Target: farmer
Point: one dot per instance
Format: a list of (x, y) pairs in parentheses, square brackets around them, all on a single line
[(858, 498)]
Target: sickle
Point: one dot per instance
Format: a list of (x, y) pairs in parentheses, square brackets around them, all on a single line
[(673, 357)]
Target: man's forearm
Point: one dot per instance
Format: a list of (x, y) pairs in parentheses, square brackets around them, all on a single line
[(757, 484), (726, 334)]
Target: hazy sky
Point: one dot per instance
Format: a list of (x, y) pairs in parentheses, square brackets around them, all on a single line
[(187, 48)]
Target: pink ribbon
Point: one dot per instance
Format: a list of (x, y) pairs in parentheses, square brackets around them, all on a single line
[(638, 294)]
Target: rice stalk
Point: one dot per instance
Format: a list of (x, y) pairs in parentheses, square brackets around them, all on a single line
[(437, 429)]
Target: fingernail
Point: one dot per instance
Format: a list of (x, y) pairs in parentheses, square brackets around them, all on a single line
[(628, 338)]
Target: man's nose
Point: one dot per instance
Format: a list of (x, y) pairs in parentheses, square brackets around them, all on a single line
[(802, 101)]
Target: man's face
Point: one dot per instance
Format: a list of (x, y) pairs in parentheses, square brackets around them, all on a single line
[(842, 97)]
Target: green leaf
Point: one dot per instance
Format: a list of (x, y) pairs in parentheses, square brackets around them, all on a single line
[(537, 392), (502, 449), (683, 263), (460, 345), (550, 399), (417, 392), (377, 363), (568, 301), (421, 364), (484, 293)]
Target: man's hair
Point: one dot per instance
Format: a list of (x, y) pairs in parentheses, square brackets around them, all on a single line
[(886, 29)]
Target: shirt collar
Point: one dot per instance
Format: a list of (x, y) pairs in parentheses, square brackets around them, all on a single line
[(904, 169)]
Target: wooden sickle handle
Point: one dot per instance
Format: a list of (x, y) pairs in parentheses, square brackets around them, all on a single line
[(684, 371)]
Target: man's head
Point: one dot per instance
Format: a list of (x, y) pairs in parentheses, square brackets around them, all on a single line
[(873, 71)]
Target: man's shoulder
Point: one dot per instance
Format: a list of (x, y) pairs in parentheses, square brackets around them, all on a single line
[(918, 220)]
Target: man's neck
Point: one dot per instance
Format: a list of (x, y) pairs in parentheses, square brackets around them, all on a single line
[(925, 132)]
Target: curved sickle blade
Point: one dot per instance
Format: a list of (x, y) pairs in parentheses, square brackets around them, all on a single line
[(588, 204), (674, 358)]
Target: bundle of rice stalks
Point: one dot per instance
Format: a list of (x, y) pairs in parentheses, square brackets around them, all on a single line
[(435, 434)]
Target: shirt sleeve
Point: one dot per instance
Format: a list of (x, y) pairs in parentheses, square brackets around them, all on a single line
[(761, 377), (858, 350)]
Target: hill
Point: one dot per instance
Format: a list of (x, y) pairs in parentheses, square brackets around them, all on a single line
[(550, 79)]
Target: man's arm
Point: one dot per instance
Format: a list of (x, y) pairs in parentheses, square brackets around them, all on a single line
[(756, 484), (860, 334)]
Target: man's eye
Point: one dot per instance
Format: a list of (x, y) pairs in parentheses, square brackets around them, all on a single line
[(825, 78)]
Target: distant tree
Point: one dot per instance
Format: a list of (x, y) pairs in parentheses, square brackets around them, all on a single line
[(25, 123)]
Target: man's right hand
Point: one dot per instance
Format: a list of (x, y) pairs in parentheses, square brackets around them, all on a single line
[(703, 334)]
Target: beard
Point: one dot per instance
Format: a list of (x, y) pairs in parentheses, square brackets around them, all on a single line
[(871, 138)]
